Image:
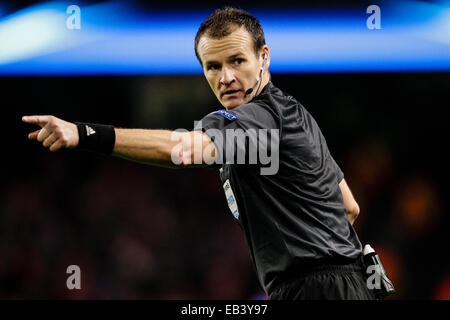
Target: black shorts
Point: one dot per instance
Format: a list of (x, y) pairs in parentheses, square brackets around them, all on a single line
[(327, 282)]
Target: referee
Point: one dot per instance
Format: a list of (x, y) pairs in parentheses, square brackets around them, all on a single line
[(297, 216)]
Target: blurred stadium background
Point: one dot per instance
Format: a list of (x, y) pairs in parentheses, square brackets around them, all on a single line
[(141, 232)]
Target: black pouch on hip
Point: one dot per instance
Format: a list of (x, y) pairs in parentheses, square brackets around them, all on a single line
[(377, 278)]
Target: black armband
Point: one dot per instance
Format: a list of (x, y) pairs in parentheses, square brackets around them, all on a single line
[(97, 138)]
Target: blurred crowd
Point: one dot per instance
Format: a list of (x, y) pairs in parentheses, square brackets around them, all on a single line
[(141, 232), (134, 231)]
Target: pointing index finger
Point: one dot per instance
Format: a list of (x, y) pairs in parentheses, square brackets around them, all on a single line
[(39, 120)]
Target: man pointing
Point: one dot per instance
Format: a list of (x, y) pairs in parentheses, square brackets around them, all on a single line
[(297, 220)]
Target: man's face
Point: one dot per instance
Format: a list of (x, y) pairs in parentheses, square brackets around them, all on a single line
[(230, 66)]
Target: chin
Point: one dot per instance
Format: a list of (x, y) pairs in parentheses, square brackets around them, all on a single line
[(233, 103)]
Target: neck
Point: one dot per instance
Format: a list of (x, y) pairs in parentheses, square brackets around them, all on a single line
[(260, 86)]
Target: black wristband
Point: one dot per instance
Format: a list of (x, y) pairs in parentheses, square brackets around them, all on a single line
[(97, 138)]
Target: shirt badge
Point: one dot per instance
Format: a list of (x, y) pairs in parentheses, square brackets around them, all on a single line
[(226, 114), (231, 199)]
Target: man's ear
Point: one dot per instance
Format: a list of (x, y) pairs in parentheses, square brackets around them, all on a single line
[(266, 55)]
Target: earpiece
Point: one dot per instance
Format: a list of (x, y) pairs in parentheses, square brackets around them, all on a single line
[(258, 78)]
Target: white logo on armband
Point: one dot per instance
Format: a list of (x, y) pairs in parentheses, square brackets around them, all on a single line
[(89, 131)]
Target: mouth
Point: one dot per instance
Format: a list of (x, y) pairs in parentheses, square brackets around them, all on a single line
[(230, 93)]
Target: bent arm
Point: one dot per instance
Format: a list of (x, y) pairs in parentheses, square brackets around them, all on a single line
[(350, 203)]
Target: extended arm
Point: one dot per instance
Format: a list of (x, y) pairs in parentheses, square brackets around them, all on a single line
[(350, 203), (164, 148), (155, 147)]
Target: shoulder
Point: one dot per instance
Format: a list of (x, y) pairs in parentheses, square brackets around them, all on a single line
[(257, 111), (222, 113), (252, 110)]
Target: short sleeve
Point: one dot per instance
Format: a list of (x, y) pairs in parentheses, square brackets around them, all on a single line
[(245, 131), (339, 173)]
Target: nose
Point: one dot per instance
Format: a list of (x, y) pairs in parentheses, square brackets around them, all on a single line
[(227, 76)]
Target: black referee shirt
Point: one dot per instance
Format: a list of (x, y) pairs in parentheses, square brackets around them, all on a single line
[(297, 216)]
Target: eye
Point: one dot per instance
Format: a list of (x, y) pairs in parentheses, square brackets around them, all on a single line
[(213, 66), (238, 61)]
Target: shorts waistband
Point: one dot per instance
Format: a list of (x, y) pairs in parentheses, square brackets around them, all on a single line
[(355, 265), (345, 266)]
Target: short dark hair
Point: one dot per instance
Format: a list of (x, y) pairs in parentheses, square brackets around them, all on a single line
[(220, 24)]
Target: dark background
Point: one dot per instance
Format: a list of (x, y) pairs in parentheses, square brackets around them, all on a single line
[(141, 232), (145, 232)]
